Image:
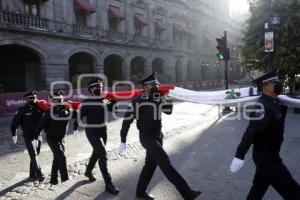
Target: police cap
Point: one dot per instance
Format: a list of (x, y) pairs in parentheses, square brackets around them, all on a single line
[(150, 79)]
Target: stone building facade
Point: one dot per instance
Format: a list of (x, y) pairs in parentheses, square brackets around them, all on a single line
[(42, 41)]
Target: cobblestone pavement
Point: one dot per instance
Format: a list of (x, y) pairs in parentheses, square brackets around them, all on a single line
[(15, 183), (201, 146)]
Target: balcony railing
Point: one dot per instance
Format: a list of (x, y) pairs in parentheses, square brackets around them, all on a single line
[(23, 20), (116, 36), (83, 30), (160, 42), (139, 38)]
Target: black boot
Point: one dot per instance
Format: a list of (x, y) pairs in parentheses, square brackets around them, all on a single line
[(90, 176), (111, 189), (53, 181), (40, 176), (145, 196), (191, 194), (33, 176)]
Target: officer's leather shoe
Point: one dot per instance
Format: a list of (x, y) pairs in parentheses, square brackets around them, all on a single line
[(64, 179), (41, 178), (33, 176), (53, 181), (90, 176), (111, 189), (145, 196), (192, 194)]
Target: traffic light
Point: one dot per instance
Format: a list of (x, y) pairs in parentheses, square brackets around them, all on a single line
[(221, 48), (223, 53)]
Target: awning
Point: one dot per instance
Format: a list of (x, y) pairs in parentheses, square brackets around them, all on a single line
[(85, 5), (140, 20), (179, 28), (115, 13), (158, 26)]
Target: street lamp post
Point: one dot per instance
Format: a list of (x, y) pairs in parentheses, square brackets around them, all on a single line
[(270, 54)]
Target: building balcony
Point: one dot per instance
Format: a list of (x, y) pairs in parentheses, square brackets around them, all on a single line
[(21, 22), (140, 39), (160, 43), (116, 36), (18, 19), (81, 30)]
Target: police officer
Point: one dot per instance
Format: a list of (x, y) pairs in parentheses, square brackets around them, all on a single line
[(147, 109), (265, 132), (28, 117), (95, 110), (54, 122)]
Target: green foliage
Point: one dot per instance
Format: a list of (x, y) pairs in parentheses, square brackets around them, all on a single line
[(287, 35)]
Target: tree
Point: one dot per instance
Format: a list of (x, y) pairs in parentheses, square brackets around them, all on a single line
[(286, 57)]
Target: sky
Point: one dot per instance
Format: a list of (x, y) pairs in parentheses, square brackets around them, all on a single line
[(241, 6)]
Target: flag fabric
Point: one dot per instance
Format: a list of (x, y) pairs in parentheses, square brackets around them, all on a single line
[(232, 98)]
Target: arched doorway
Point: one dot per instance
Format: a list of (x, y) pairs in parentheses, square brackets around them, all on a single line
[(137, 71), (21, 69), (157, 66), (205, 70), (178, 68), (80, 63), (113, 68), (190, 71)]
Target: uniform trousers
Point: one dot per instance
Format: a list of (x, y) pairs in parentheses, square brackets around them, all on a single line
[(156, 155), (97, 138), (59, 163)]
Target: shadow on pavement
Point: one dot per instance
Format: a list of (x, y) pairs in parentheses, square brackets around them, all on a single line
[(67, 193), (204, 162), (105, 195), (14, 186)]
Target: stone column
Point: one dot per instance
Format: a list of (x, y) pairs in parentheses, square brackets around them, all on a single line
[(148, 69), (54, 72), (99, 69), (126, 69)]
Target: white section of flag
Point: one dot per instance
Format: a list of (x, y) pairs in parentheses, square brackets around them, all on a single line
[(218, 97)]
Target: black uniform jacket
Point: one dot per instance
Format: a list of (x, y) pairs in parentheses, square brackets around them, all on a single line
[(147, 114), (266, 133), (55, 122), (96, 112), (28, 117)]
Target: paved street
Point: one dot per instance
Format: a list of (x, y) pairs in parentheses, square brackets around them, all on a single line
[(201, 146)]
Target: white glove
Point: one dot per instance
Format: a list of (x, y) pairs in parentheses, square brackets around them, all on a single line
[(35, 143), (236, 165), (40, 138), (75, 133), (122, 148), (15, 139)]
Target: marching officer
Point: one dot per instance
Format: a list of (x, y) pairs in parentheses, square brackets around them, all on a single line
[(54, 122), (95, 110), (28, 117), (147, 109), (265, 132)]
